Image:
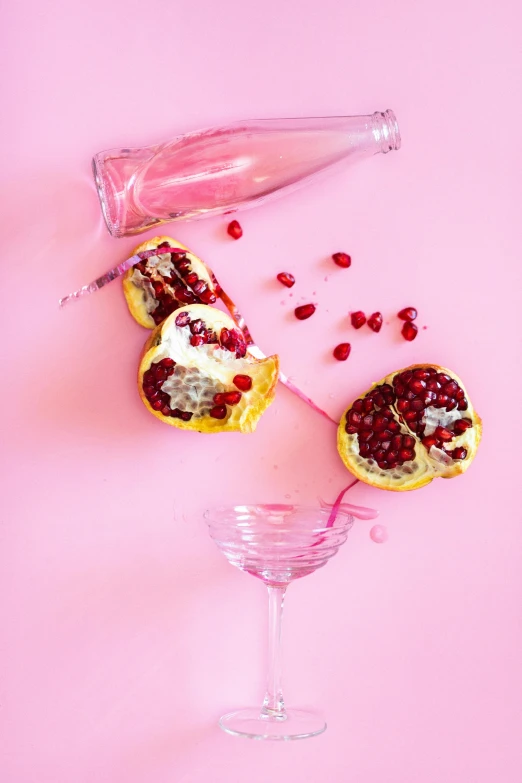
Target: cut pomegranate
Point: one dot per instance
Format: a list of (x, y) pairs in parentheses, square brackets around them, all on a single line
[(342, 259), (234, 230), (196, 373), (409, 331), (342, 351), (158, 286), (286, 279), (375, 322), (358, 319), (407, 314), (400, 436), (304, 311)]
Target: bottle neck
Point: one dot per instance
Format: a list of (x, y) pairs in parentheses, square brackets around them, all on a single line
[(385, 129)]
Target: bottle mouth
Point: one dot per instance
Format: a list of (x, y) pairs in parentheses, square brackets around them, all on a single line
[(386, 130)]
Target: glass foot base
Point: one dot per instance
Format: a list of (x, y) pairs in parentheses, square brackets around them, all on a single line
[(298, 724)]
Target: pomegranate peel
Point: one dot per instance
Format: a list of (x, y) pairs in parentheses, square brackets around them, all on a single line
[(178, 381), (163, 283), (398, 436)]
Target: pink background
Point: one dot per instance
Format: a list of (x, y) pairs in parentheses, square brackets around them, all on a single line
[(124, 632)]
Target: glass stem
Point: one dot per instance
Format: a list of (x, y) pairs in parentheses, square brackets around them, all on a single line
[(274, 705)]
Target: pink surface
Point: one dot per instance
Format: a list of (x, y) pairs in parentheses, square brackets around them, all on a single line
[(124, 633)]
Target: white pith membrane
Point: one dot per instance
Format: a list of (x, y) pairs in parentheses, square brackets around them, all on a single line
[(200, 372), (426, 464), (163, 269)]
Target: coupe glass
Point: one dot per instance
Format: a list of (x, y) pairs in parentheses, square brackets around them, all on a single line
[(277, 544)]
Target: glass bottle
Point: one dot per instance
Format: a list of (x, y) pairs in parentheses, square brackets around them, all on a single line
[(221, 170)]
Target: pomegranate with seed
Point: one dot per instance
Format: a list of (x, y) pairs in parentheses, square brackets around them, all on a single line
[(196, 373), (415, 425), (156, 287)]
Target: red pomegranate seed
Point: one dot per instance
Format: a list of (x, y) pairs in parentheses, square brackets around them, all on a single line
[(443, 434), (218, 412), (167, 362), (450, 388), (207, 297), (368, 405), (442, 379), (459, 453), (192, 278), (374, 442), (358, 319), (442, 401), (350, 429), (432, 385), (166, 410), (232, 398), (463, 404), (408, 314), (196, 340), (354, 417), (368, 421), (242, 382), (342, 351), (234, 230), (157, 405), (219, 399), (406, 454), (286, 279), (200, 287), (375, 322), (452, 404), (379, 455), (459, 395), (196, 327), (342, 259), (364, 449), (417, 386), (461, 425), (403, 406), (422, 375), (429, 441), (304, 311), (186, 415), (396, 442), (409, 331), (417, 405), (183, 319), (394, 426), (358, 406), (379, 422), (410, 416), (408, 442), (365, 435)]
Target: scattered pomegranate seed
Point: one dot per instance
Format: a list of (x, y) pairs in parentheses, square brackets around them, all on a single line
[(375, 322), (243, 382), (358, 319), (304, 311), (342, 351), (219, 399), (235, 231), (286, 279), (409, 331), (407, 314), (443, 434), (218, 412), (197, 340), (342, 259)]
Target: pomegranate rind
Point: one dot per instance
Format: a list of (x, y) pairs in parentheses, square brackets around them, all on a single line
[(242, 417), (134, 294), (424, 467)]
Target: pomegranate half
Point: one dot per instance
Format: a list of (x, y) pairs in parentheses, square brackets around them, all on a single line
[(415, 425), (156, 287), (196, 373)]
